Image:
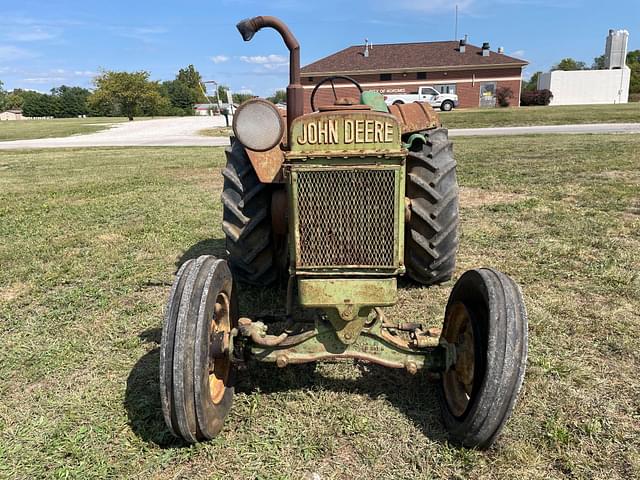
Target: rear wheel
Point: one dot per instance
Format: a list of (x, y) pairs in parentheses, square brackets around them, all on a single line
[(485, 327), (431, 230), (246, 220)]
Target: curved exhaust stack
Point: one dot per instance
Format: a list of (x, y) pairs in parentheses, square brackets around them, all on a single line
[(295, 99)]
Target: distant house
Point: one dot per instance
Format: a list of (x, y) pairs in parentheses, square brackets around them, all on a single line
[(205, 109), (13, 114), (457, 67)]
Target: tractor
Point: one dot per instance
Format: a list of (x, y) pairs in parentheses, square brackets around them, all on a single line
[(336, 205)]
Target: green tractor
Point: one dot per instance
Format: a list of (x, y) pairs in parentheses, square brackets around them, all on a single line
[(338, 203)]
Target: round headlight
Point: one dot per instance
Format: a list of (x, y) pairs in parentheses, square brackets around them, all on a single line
[(258, 125)]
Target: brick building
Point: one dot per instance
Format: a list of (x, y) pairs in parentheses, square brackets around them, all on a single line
[(473, 73)]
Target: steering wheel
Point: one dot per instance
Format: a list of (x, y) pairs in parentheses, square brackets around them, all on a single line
[(333, 87)]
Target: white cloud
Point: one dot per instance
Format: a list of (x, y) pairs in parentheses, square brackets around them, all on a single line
[(9, 52), (33, 35), (43, 80), (264, 59), (219, 59), (84, 73), (517, 53)]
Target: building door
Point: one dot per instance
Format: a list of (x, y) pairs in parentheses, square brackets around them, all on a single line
[(488, 94)]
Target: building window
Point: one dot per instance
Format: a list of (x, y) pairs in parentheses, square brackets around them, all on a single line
[(385, 77), (449, 88), (421, 75)]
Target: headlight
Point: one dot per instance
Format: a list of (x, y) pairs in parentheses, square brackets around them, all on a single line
[(258, 125)]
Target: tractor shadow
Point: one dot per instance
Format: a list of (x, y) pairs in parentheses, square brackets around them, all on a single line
[(210, 246), (414, 396)]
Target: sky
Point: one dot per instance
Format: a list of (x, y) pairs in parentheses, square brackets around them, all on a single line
[(44, 44)]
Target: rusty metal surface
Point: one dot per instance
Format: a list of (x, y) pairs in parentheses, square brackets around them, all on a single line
[(279, 218), (415, 117), (322, 343), (268, 164), (295, 93), (337, 101)]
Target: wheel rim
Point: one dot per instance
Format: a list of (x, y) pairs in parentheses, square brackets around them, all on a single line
[(220, 367), (458, 379)]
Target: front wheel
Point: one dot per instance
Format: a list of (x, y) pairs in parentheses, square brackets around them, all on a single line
[(485, 333), (196, 372), (446, 106)]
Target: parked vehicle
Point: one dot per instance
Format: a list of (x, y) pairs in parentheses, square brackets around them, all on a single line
[(443, 101)]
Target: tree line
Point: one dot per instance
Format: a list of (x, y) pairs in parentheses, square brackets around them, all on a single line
[(116, 93)]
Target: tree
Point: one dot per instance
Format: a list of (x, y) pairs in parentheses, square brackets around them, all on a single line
[(569, 64), (125, 93), (242, 97), (36, 104), (192, 78), (633, 62), (504, 96), (280, 96), (598, 63), (3, 97), (14, 100), (531, 84), (72, 101), (180, 95)]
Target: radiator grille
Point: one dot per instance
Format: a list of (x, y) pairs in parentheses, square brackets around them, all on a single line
[(346, 217)]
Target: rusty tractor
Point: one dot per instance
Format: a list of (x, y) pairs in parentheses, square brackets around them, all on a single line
[(337, 204)]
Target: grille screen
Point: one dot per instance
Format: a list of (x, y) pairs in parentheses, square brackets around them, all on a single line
[(346, 217)]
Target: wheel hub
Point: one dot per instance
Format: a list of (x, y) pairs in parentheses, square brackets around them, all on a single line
[(458, 379), (219, 348)]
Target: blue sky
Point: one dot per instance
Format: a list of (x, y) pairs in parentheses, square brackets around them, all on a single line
[(44, 44)]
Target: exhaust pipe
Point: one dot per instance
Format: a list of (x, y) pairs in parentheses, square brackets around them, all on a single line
[(295, 98)]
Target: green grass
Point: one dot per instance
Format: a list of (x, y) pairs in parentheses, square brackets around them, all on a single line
[(90, 243), (523, 116), (58, 127), (216, 132)]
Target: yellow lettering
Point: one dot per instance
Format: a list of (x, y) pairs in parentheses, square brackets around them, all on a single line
[(348, 131), (333, 131), (359, 131), (302, 139), (388, 132), (312, 133), (379, 128), (322, 132), (368, 136)]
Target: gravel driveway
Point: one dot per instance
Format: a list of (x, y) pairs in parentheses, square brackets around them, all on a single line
[(174, 131), (183, 131)]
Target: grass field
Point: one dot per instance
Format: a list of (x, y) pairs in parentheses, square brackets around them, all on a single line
[(90, 243), (58, 127), (216, 132), (523, 116)]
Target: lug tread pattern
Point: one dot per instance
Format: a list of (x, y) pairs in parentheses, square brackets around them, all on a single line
[(246, 220), (431, 234)]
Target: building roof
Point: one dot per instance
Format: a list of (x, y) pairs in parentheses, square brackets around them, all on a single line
[(408, 56)]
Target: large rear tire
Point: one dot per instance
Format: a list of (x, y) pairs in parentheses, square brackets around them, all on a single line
[(486, 326), (246, 220), (431, 232)]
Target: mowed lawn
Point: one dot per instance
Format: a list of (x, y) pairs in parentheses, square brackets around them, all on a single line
[(550, 115), (57, 127), (90, 241)]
